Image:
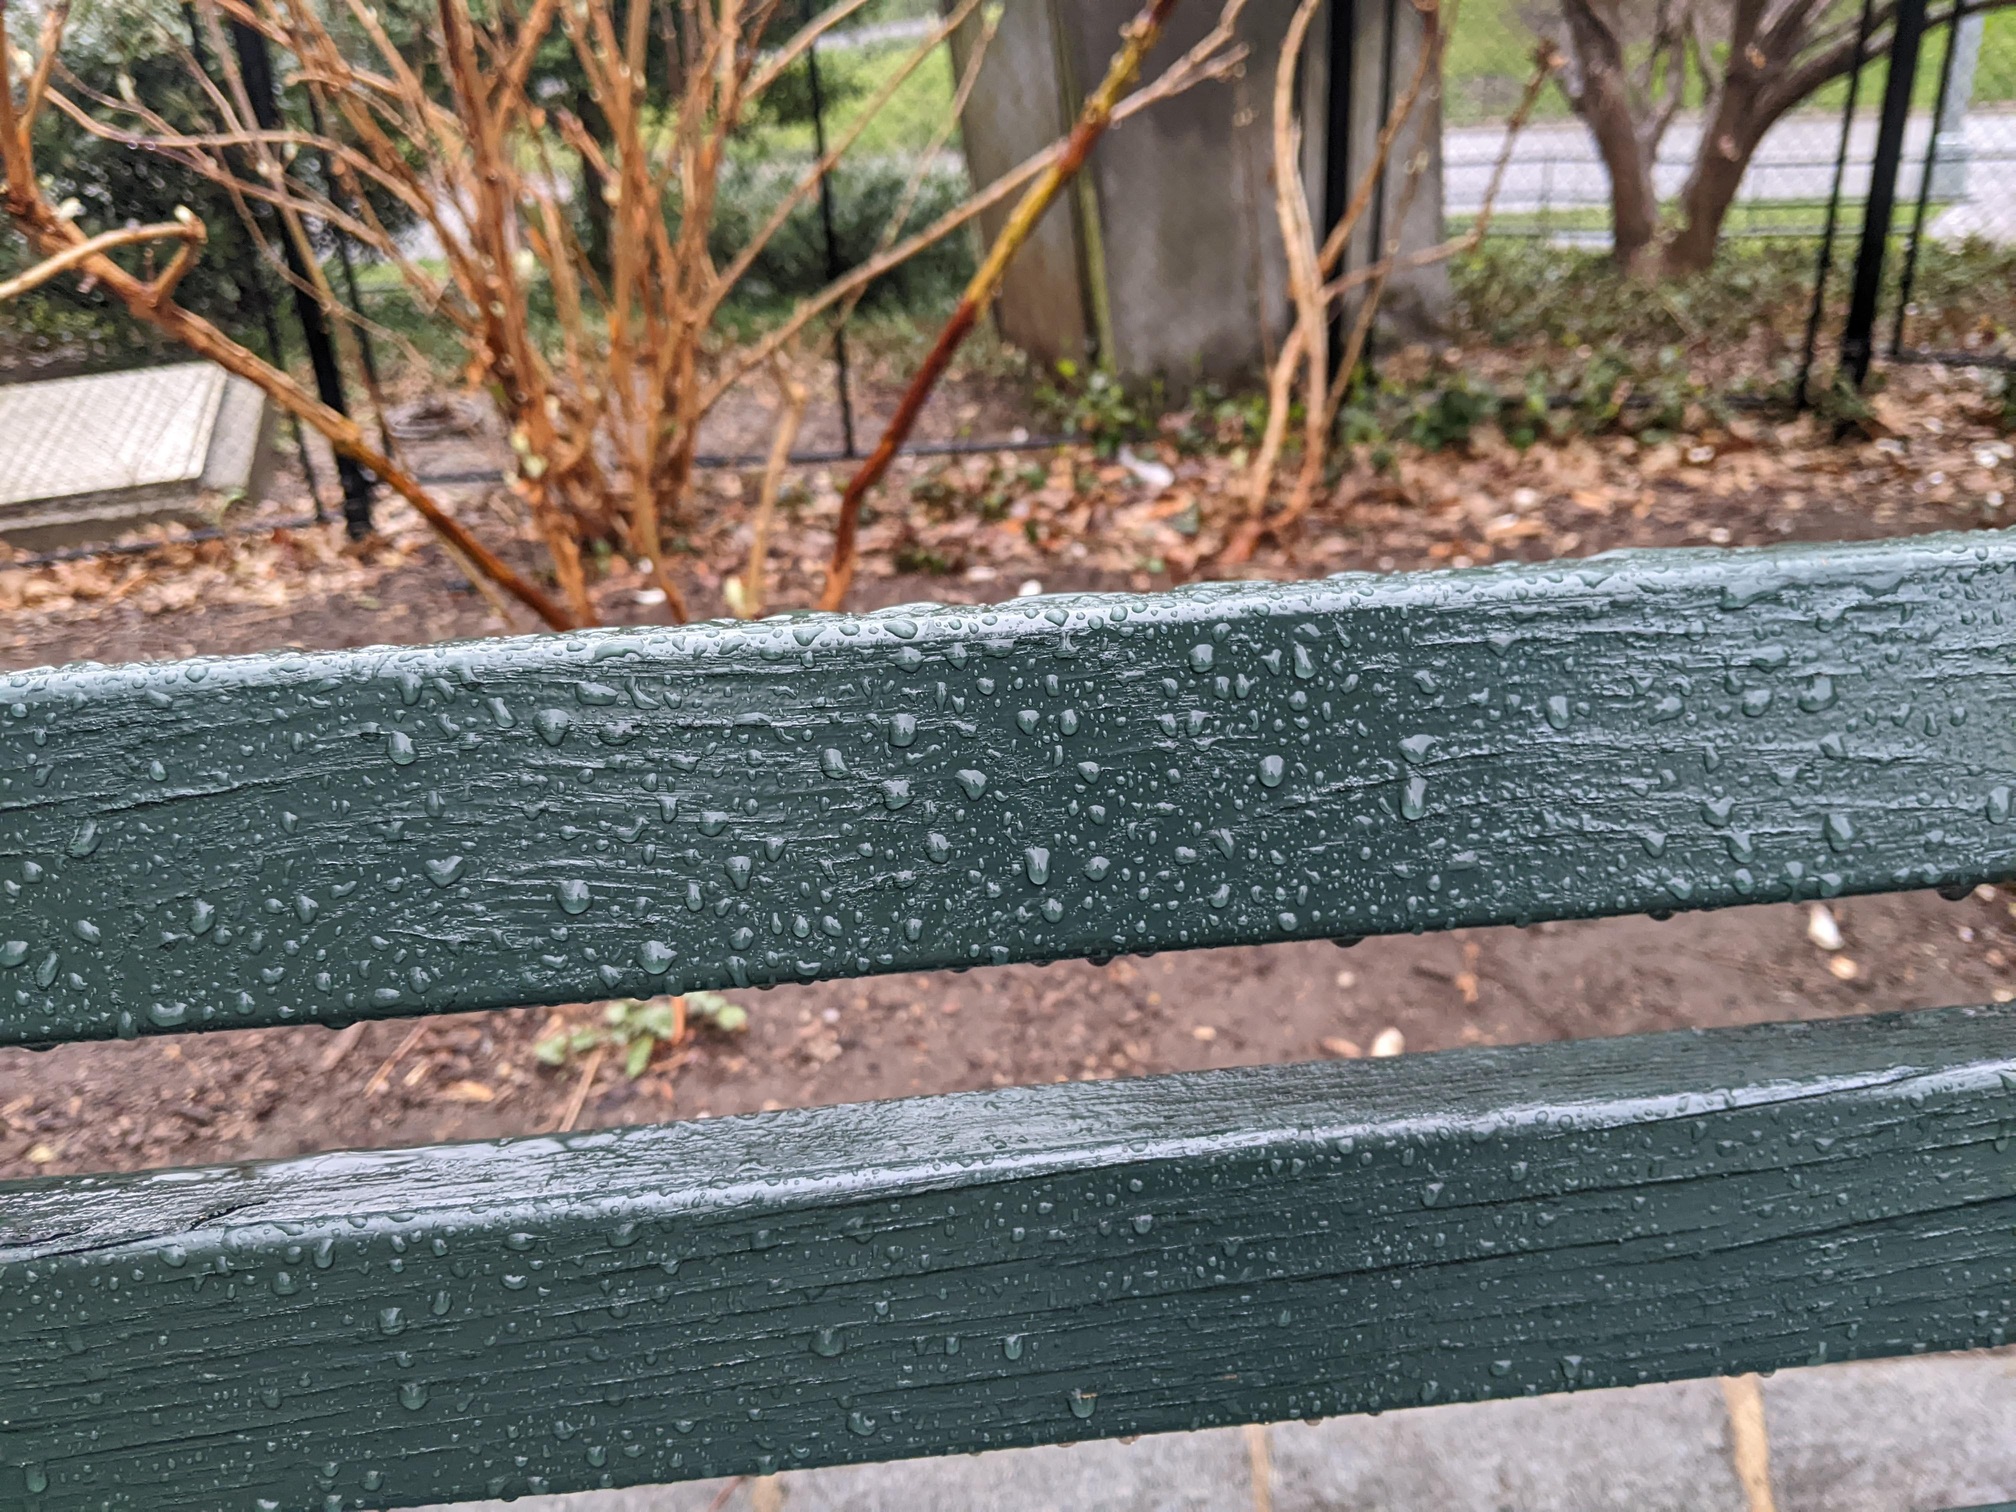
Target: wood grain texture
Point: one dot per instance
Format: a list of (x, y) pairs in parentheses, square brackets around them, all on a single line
[(400, 831), (1027, 1266)]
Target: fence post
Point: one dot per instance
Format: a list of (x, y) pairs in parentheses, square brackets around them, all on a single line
[(1858, 336), (257, 68), (1930, 175), (833, 259)]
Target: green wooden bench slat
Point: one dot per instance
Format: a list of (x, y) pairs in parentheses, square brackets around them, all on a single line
[(383, 832), (1003, 1268)]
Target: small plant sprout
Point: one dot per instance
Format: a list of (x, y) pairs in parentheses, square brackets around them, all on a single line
[(635, 1028)]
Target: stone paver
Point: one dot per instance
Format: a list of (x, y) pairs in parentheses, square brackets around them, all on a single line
[(1888, 1436)]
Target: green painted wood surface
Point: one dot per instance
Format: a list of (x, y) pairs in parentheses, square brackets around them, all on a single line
[(1015, 1267), (392, 831)]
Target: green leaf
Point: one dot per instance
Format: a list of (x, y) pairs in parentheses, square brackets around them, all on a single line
[(639, 1056), (731, 1018)]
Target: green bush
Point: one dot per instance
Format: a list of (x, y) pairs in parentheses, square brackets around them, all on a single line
[(1096, 406), (138, 49), (1517, 291), (865, 195), (1513, 291)]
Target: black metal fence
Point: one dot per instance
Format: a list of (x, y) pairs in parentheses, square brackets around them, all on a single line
[(1947, 174)]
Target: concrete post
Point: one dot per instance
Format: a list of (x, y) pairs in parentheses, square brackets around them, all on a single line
[(1018, 107), (1167, 262)]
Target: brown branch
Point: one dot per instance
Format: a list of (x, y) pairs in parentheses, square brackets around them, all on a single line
[(190, 149), (532, 31), (47, 45), (1389, 131), (747, 360), (15, 157), (52, 236), (791, 396), (1704, 50), (1216, 55), (893, 227), (1546, 62), (1281, 379), (1138, 36), (743, 362), (604, 417), (780, 61), (1670, 41), (1298, 235), (185, 231), (745, 259)]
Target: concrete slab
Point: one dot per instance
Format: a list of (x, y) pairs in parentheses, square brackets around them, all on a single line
[(1652, 1449), (1887, 1436), (1894, 1435), (88, 457)]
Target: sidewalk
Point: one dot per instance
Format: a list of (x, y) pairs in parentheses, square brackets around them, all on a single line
[(1890, 1436)]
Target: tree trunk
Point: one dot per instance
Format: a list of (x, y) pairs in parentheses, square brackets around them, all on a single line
[(1719, 164), (1603, 101), (1634, 203)]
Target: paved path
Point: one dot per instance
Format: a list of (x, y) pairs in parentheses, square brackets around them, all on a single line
[(1894, 1436)]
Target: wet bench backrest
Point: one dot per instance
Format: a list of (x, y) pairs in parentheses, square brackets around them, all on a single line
[(321, 838)]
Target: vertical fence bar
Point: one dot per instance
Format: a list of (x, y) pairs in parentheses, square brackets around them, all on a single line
[(1376, 248), (1910, 273), (833, 268), (366, 352), (1337, 186), (257, 68), (261, 298), (1824, 266), (1857, 336), (255, 286)]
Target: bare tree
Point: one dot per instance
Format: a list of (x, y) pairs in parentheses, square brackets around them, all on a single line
[(444, 119), (1633, 63)]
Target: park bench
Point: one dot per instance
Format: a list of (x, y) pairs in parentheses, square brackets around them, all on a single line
[(295, 839)]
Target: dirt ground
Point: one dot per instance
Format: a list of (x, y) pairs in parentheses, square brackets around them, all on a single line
[(227, 1096), (272, 1092)]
